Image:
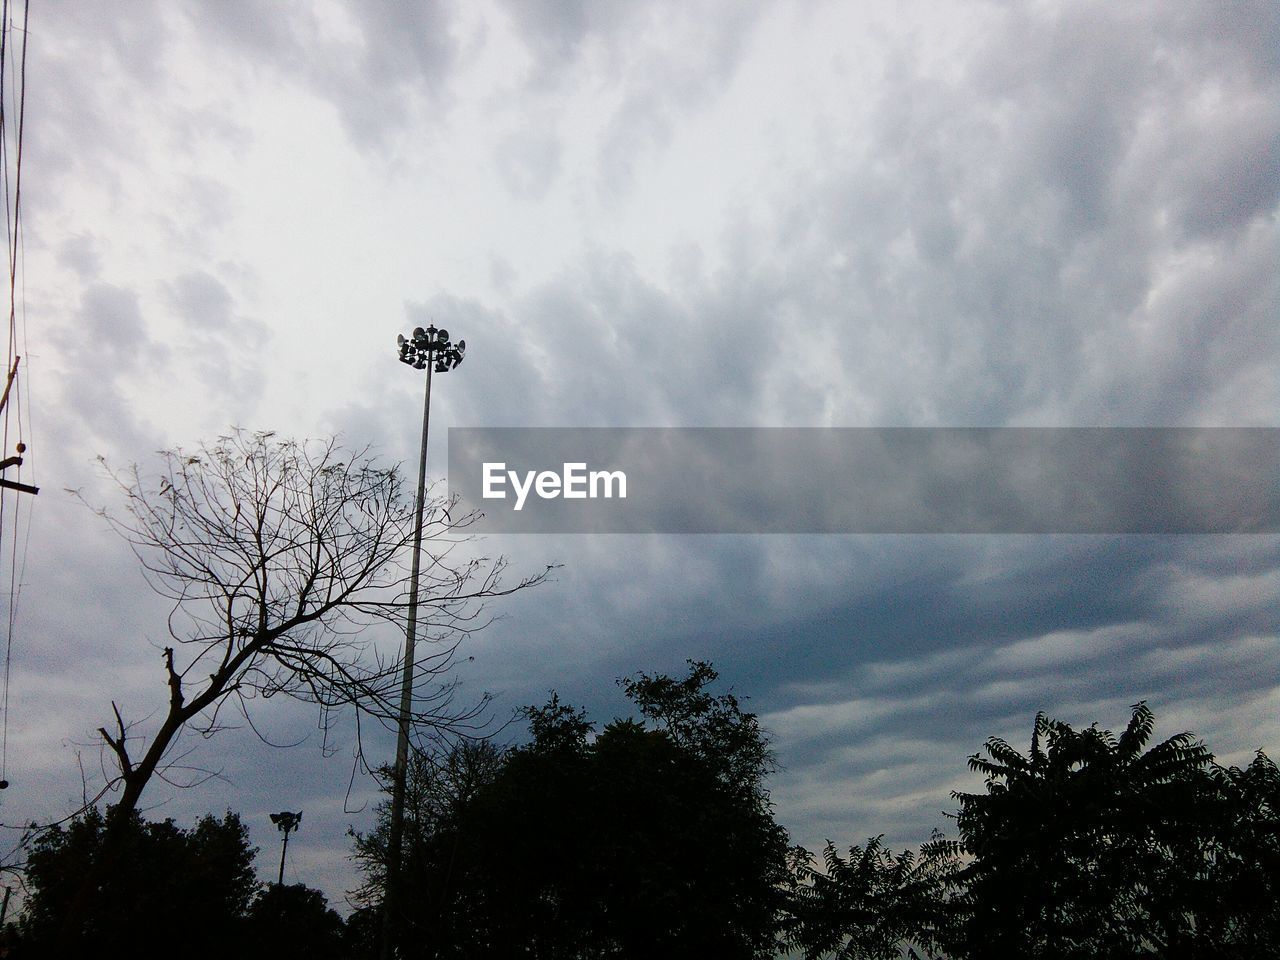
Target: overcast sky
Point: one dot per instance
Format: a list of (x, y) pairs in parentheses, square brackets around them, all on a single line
[(663, 214)]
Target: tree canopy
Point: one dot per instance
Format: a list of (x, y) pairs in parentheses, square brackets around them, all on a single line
[(653, 838), (173, 891), (1098, 845), (1089, 845), (167, 883)]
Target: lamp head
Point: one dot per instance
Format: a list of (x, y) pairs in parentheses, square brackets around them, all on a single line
[(430, 348)]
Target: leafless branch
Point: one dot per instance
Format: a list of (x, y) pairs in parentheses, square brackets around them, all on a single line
[(277, 556)]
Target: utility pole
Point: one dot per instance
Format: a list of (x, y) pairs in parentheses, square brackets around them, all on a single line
[(13, 461), (285, 822), (429, 350)]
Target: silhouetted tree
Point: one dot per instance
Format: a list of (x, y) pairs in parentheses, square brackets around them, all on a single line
[(275, 555), (292, 921), (171, 891), (652, 839), (438, 790), (364, 933), (1080, 847), (874, 904), (1090, 845)]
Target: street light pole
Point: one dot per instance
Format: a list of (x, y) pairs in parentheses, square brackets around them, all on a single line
[(429, 350), (285, 822)]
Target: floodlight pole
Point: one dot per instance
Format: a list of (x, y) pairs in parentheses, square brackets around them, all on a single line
[(431, 350), (285, 822)]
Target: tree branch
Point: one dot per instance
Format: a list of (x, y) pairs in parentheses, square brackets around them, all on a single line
[(117, 744)]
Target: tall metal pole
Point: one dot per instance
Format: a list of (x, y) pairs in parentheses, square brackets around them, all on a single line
[(395, 840), (284, 849), (285, 822), (429, 349)]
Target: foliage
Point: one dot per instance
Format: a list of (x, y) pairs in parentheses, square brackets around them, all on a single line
[(1090, 845), (652, 839), (438, 789), (293, 921), (714, 729), (873, 904), (167, 885), (1237, 877)]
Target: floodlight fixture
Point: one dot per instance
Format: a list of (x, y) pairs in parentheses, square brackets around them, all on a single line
[(430, 349), (286, 821)]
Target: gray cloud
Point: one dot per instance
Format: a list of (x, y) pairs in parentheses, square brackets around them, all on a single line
[(201, 302), (224, 347), (81, 255), (1071, 221), (108, 347), (380, 67), (1005, 248), (529, 161)]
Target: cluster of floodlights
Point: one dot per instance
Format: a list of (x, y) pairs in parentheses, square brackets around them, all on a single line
[(286, 821), (430, 346)]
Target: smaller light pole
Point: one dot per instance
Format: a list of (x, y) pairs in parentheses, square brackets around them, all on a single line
[(285, 822)]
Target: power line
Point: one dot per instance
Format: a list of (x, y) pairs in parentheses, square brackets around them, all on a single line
[(12, 411)]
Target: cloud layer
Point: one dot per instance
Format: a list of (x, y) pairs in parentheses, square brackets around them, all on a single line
[(707, 214)]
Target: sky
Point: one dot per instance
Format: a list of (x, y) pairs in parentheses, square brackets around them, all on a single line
[(919, 214)]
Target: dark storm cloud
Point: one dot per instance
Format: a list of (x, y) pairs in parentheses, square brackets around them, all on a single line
[(1004, 251), (1076, 228), (1082, 651)]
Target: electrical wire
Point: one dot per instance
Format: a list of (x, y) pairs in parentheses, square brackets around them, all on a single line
[(13, 408)]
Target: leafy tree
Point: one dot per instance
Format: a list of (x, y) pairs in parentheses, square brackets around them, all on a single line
[(873, 904), (438, 790), (712, 728), (170, 890), (293, 921), (1217, 893), (650, 839), (1070, 843), (1090, 845), (1097, 845)]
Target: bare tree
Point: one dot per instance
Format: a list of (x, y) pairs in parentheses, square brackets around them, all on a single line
[(276, 556)]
